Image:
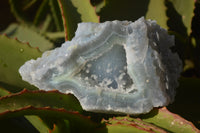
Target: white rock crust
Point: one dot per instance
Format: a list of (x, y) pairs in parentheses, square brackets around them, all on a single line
[(112, 67)]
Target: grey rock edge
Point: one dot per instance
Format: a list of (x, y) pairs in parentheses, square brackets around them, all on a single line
[(111, 67)]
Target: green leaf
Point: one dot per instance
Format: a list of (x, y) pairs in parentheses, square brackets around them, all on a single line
[(13, 54), (17, 10), (37, 123), (34, 120), (46, 24), (33, 12), (123, 129), (41, 12), (55, 35), (26, 34), (3, 92), (157, 11), (169, 121), (52, 99), (57, 17), (51, 104), (76, 120), (74, 12), (186, 9), (24, 10), (54, 105), (29, 4), (128, 125), (14, 89)]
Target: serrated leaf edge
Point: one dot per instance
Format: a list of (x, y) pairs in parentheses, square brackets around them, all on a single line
[(34, 91), (23, 43), (135, 124)]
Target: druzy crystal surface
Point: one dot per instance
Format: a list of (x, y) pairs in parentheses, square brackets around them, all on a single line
[(111, 67)]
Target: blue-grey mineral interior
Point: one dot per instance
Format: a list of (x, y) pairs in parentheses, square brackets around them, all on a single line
[(111, 67)]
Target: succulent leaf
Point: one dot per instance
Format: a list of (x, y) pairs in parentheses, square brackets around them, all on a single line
[(55, 105), (17, 10), (29, 3), (3, 92), (157, 11), (159, 120), (32, 12), (128, 124), (52, 99), (41, 12), (169, 121), (14, 89), (186, 11), (84, 123), (55, 9), (26, 34), (34, 120), (13, 54), (47, 25), (74, 12), (54, 35), (37, 123)]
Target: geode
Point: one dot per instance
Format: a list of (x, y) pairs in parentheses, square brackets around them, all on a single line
[(111, 67)]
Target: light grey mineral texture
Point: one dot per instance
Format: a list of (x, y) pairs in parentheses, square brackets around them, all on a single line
[(111, 67)]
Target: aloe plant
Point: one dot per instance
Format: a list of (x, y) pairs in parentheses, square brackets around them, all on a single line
[(43, 25)]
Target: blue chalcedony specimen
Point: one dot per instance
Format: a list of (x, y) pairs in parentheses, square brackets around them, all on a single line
[(112, 67)]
